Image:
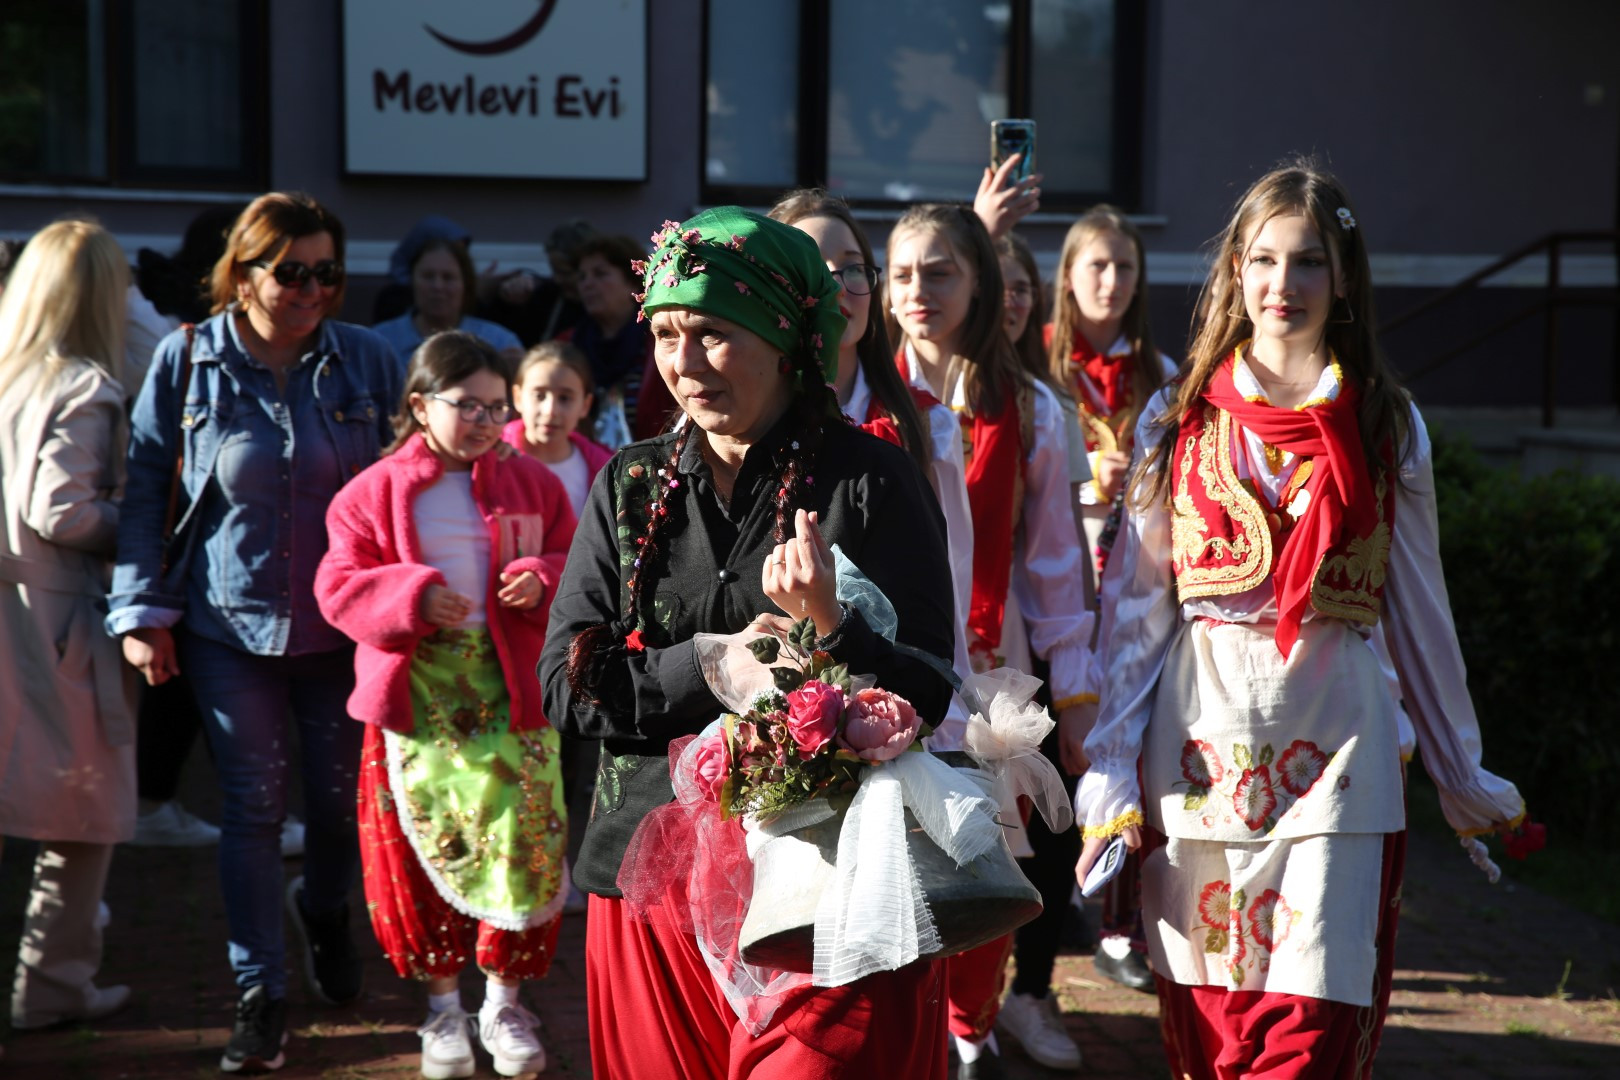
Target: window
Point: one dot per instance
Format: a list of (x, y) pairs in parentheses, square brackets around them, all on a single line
[(133, 92), (892, 102)]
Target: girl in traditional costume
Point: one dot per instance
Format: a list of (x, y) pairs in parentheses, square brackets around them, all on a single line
[(1026, 600), (444, 558), (1284, 505), (872, 393)]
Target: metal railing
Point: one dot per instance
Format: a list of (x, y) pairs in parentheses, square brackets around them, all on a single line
[(1553, 297)]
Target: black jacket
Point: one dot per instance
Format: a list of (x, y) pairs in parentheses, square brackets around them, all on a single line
[(872, 501)]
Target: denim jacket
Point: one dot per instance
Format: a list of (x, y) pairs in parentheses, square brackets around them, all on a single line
[(246, 543)]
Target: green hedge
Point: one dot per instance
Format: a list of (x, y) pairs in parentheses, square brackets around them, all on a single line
[(1533, 568)]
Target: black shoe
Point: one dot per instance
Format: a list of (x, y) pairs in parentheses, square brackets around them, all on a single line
[(987, 1066), (258, 1035), (1131, 971), (330, 963)]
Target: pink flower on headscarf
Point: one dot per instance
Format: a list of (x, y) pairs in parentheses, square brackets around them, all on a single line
[(781, 321), (741, 287), (880, 725)]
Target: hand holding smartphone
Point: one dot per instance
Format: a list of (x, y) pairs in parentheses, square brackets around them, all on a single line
[(1009, 137), (1009, 190), (1107, 866)]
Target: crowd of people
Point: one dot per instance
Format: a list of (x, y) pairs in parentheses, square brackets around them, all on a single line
[(467, 552)]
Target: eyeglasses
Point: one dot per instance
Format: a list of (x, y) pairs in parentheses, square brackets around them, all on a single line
[(858, 279), (472, 411), (1023, 293), (328, 273)]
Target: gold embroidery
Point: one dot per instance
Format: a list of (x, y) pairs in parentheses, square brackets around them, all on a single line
[(1250, 550), (1348, 585)]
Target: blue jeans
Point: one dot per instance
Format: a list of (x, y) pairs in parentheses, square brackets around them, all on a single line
[(246, 702)]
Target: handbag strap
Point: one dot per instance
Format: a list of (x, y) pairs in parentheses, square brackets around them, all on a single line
[(180, 454)]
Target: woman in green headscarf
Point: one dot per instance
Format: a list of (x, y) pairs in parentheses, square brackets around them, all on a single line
[(720, 525)]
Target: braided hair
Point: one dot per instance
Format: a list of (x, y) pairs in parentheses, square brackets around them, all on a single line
[(598, 649)]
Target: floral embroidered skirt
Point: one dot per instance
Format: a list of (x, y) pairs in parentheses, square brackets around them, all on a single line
[(482, 805), (1276, 781)]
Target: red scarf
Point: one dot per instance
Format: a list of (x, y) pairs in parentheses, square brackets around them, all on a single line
[(993, 464), (880, 422), (1341, 493)]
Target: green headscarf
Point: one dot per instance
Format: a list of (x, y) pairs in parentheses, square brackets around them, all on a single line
[(764, 276)]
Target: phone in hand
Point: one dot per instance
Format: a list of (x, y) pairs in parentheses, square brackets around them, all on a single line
[(1108, 864), (1009, 137)]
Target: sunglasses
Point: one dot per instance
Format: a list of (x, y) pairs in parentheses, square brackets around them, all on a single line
[(328, 273)]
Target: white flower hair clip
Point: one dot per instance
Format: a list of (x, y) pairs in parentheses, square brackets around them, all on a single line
[(1346, 220)]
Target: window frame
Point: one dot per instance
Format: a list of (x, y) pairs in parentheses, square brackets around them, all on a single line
[(810, 166), (123, 172)]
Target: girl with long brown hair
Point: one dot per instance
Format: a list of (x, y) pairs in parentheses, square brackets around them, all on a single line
[(946, 297), (1285, 504), (1100, 348)]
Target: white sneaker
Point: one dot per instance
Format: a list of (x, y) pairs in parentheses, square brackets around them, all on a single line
[(171, 826), (447, 1045), (1038, 1027), (292, 838), (508, 1035)]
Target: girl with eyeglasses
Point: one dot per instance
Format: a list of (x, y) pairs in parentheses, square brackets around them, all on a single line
[(872, 393), (444, 558), (245, 428)]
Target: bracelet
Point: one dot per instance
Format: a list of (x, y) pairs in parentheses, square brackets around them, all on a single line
[(825, 641), (1074, 699)]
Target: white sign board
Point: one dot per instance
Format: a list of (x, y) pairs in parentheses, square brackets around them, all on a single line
[(519, 88)]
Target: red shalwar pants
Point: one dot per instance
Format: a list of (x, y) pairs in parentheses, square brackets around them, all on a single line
[(420, 933), (1211, 1033), (657, 1014), (975, 979)]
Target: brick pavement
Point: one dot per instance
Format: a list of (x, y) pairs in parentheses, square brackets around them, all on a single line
[(1480, 990)]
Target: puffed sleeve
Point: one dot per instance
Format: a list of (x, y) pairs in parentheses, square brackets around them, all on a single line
[(1047, 580), (1422, 639), (1140, 620), (71, 498)]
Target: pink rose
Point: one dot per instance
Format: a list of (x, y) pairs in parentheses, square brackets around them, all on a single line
[(710, 765), (880, 725), (813, 712)]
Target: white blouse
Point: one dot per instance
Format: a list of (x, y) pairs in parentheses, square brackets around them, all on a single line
[(455, 539), (1141, 619), (1046, 610)]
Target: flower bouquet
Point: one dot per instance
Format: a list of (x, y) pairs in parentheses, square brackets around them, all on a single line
[(811, 735)]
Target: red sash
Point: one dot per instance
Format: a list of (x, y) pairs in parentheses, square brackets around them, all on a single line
[(1342, 505), (995, 457), (1107, 392)]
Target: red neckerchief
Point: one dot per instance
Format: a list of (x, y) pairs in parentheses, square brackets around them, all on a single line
[(1341, 492), (878, 422), (992, 471)]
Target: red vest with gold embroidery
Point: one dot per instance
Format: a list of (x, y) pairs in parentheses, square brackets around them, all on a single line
[(1224, 535)]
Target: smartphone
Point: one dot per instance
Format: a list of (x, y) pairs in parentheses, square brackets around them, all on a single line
[(1108, 864), (1009, 137)]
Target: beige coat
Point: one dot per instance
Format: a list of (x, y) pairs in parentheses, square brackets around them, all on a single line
[(67, 727)]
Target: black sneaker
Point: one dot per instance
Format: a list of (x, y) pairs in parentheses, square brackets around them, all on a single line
[(1132, 971), (258, 1035), (330, 963)]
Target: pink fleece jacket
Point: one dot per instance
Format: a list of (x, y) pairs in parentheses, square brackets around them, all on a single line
[(371, 582), (596, 455)]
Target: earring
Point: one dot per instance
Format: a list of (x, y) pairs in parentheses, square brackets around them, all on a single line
[(1349, 312)]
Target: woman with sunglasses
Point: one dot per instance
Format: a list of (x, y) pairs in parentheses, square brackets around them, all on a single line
[(243, 432)]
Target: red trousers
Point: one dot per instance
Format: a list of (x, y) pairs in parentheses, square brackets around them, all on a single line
[(420, 933), (657, 1014), (974, 980), (1211, 1033)]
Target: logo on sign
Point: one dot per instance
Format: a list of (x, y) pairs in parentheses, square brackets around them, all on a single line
[(515, 40)]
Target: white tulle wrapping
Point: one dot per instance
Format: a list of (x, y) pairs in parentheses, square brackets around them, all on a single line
[(873, 916), (1004, 736)]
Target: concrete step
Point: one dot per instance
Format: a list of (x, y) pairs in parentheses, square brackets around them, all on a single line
[(1585, 440)]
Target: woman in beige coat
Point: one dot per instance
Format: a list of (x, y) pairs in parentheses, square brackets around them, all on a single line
[(67, 738)]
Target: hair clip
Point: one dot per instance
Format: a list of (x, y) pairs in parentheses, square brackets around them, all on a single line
[(1346, 220)]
